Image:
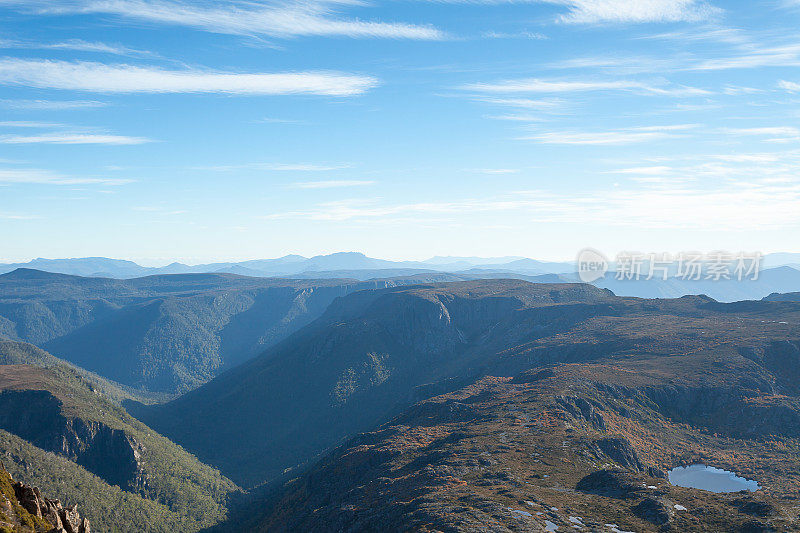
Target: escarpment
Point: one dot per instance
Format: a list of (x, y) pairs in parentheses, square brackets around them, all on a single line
[(37, 416)]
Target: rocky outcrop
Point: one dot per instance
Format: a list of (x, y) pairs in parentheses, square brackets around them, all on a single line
[(620, 450), (36, 416), (25, 509), (657, 511), (611, 483)]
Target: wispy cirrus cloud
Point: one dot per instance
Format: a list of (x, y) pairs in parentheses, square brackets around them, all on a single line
[(28, 124), (713, 48), (773, 134), (495, 171), (623, 11), (535, 36), (277, 167), (46, 177), (121, 78), (612, 137), (258, 19), (790, 86), (14, 216), (674, 204), (72, 138), (539, 85), (756, 57), (635, 11), (332, 184), (76, 45), (51, 105)]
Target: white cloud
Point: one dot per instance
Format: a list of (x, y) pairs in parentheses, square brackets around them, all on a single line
[(102, 78), (279, 167), (790, 86), (627, 11), (51, 105), (261, 19), (523, 103), (45, 177), (615, 137), (495, 170), (27, 124), (537, 85), (302, 167), (754, 57), (77, 45), (516, 35), (623, 11), (650, 171), (770, 130), (516, 117), (274, 120), (774, 134), (72, 138), (332, 184), (11, 216), (663, 205)]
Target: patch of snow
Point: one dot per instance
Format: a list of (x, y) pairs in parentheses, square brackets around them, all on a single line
[(554, 508), (651, 487), (549, 526), (520, 513), (679, 507), (576, 520)]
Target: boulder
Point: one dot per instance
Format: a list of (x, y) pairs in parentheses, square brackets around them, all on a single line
[(657, 511), (611, 483)]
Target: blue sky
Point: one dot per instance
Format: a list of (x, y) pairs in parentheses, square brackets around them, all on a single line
[(157, 129)]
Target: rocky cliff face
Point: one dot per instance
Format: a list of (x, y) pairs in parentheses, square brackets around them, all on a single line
[(36, 416), (23, 509)]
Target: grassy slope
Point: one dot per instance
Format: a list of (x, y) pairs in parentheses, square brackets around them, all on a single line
[(194, 493)]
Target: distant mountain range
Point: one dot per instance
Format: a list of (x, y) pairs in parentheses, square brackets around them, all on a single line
[(290, 265)]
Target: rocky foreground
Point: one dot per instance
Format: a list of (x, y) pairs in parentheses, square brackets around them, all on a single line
[(23, 509)]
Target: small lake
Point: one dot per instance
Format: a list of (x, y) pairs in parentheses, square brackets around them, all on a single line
[(710, 478)]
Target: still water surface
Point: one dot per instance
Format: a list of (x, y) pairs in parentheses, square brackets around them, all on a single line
[(710, 478)]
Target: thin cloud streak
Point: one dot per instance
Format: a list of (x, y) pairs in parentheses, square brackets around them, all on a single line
[(332, 184), (630, 11), (751, 205), (45, 177), (278, 167), (52, 105), (77, 45), (102, 78), (615, 137), (265, 19), (72, 138), (790, 86), (538, 85)]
